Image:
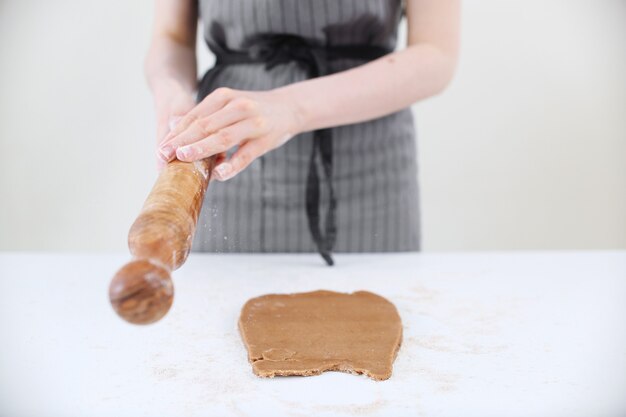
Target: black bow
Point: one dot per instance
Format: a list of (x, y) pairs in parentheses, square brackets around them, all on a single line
[(276, 49)]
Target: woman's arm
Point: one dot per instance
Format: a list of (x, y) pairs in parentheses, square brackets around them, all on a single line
[(261, 121), (390, 83), (170, 65)]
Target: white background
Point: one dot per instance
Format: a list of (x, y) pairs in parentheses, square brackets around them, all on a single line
[(525, 150)]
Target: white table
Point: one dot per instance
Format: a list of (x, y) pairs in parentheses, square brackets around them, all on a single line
[(485, 334)]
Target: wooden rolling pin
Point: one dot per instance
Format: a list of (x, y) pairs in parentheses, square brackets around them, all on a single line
[(141, 292)]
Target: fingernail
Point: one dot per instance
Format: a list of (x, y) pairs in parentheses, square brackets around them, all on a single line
[(166, 152), (184, 152), (223, 171)]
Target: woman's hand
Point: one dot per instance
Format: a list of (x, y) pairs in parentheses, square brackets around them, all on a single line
[(255, 121), (172, 102)]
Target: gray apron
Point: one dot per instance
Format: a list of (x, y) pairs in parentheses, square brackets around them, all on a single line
[(374, 173)]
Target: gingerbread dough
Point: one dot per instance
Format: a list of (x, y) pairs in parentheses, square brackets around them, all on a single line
[(309, 333)]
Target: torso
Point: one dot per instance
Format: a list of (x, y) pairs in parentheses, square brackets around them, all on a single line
[(375, 174)]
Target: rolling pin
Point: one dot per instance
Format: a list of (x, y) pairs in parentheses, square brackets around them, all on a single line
[(142, 292)]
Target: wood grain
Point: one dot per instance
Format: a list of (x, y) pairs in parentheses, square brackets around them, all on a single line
[(160, 240), (163, 231)]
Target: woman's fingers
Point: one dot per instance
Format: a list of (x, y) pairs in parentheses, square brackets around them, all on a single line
[(240, 160), (201, 129), (220, 141), (160, 163), (235, 111), (211, 103), (163, 128)]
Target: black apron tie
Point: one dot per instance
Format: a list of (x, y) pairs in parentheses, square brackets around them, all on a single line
[(277, 49)]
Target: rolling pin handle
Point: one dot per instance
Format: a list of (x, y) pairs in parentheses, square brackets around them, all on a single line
[(141, 292)]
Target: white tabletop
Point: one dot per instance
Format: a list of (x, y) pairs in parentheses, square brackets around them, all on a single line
[(486, 334)]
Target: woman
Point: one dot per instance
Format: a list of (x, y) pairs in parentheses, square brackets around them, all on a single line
[(307, 112)]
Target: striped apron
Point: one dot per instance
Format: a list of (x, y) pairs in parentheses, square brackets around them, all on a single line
[(370, 196)]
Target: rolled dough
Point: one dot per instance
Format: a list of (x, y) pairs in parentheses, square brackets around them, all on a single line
[(309, 333)]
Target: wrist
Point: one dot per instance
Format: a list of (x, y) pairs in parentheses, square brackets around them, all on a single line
[(169, 88), (299, 120)]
